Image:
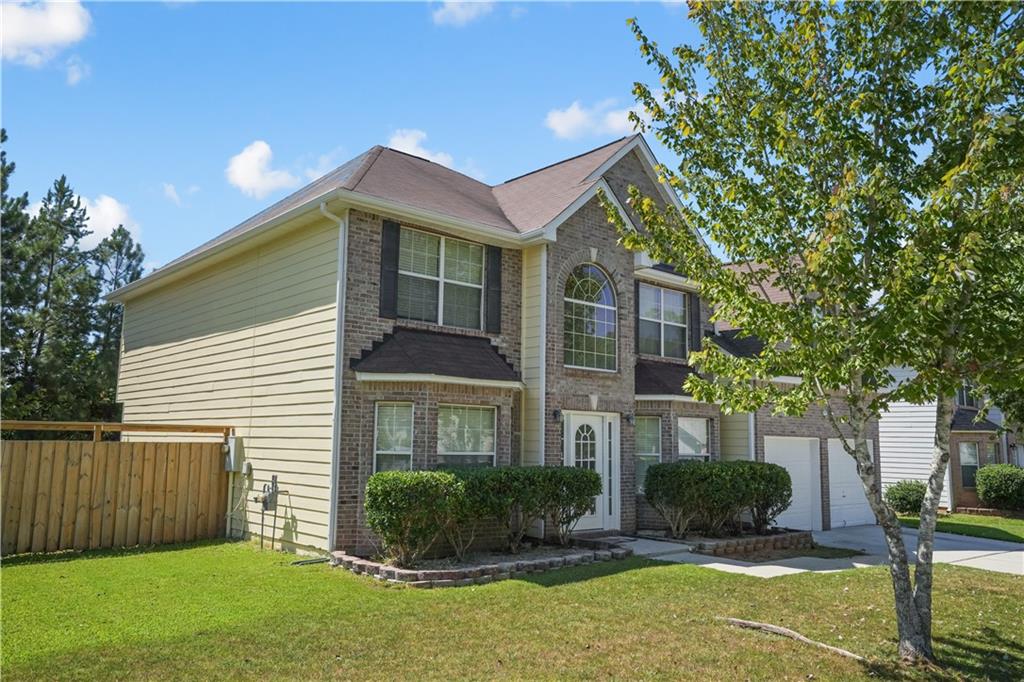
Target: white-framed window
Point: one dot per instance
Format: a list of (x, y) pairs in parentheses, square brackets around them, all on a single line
[(466, 435), (591, 335), (662, 323), (648, 447), (392, 439), (440, 279), (968, 463), (694, 436)]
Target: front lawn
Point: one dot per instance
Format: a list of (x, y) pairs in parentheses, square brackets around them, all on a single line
[(228, 610), (991, 527)]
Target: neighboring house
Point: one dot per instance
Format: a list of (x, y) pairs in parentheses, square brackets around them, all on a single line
[(907, 438), (397, 314)]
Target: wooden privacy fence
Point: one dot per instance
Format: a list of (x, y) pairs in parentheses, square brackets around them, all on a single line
[(95, 494)]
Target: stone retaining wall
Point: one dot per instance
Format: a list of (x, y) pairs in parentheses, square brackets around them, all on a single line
[(984, 511), (472, 575), (755, 543)]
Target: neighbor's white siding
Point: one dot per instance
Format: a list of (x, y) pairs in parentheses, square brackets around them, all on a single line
[(906, 435), (249, 343), (736, 436), (534, 285)]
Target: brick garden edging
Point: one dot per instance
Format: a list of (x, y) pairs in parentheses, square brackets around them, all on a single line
[(755, 543), (472, 575)]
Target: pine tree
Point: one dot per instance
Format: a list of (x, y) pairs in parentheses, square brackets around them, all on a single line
[(118, 261)]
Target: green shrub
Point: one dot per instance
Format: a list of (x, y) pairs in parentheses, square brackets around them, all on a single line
[(724, 493), (770, 492), (906, 497), (408, 511), (1001, 486), (712, 495), (567, 494), (469, 505), (673, 490), (514, 496)]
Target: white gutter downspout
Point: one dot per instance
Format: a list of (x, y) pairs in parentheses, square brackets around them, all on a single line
[(339, 355), (751, 436)]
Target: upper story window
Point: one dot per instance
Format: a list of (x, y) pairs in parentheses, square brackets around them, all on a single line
[(662, 322), (965, 397), (590, 319), (440, 279)]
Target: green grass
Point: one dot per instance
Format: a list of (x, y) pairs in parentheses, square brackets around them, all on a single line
[(991, 527), (228, 610)]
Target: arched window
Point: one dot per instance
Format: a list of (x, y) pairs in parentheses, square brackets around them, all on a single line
[(590, 319)]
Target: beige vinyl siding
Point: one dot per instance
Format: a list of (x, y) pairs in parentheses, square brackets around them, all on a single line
[(534, 282), (249, 343), (736, 436)]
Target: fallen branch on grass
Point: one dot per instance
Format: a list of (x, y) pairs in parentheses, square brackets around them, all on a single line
[(792, 634)]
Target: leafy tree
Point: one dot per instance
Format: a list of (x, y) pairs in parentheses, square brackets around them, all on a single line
[(863, 159)]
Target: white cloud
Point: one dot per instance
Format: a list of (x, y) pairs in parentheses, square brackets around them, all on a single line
[(250, 171), (76, 70), (460, 13), (172, 193), (34, 33), (577, 121), (324, 164), (410, 141), (105, 214)]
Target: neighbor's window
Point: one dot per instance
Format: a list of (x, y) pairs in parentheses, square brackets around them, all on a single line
[(694, 436), (465, 435), (968, 463), (662, 322), (392, 443), (965, 397), (648, 447), (590, 319), (440, 279)]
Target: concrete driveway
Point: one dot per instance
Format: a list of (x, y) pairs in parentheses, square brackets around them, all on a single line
[(962, 550), (990, 555)]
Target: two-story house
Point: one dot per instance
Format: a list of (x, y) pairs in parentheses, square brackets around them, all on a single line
[(396, 314)]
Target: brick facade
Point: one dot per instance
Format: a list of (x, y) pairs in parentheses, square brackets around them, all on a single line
[(586, 237)]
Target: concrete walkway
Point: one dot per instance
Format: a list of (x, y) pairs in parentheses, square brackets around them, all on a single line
[(992, 555)]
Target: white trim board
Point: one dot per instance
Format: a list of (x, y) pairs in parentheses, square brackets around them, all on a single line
[(410, 377)]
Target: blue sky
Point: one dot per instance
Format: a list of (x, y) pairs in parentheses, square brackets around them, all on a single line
[(183, 119)]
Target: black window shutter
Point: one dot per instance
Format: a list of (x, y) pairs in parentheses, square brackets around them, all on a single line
[(389, 269), (636, 317), (696, 332), (492, 288)]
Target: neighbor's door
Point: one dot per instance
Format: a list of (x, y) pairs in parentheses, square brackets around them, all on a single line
[(589, 444)]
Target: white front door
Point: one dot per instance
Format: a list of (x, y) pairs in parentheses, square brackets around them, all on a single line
[(592, 442)]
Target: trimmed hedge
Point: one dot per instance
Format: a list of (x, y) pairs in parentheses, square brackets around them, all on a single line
[(407, 510), (410, 510), (712, 495), (1001, 486), (906, 497)]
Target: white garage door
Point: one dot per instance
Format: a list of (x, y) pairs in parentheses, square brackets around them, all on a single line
[(801, 459), (848, 504)]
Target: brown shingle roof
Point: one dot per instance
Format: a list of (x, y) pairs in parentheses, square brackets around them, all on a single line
[(418, 351), (520, 205)]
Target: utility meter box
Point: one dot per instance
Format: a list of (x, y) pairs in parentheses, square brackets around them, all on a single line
[(233, 454)]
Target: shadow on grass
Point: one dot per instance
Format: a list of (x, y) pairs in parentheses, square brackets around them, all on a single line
[(83, 555), (988, 655), (578, 574)]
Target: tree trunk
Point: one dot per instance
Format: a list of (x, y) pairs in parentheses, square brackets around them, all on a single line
[(930, 511), (913, 630)]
